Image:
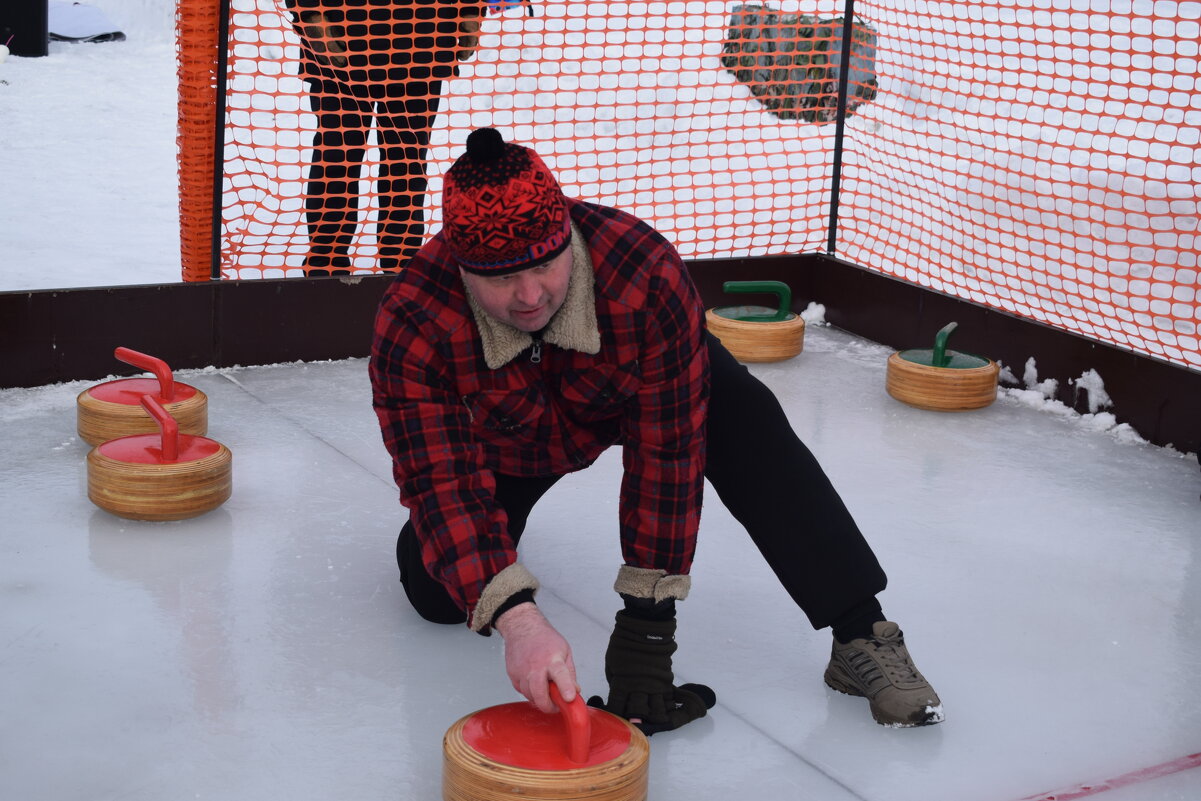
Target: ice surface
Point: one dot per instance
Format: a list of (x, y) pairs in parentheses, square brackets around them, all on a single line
[(1046, 574)]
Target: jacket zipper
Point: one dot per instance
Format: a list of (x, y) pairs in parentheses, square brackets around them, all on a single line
[(536, 351)]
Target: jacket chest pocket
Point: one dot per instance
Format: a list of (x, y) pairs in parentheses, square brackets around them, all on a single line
[(600, 392), (505, 412)]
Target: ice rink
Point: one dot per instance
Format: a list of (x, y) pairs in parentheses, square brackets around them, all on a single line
[(1046, 572)]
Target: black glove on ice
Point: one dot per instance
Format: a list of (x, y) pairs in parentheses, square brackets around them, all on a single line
[(638, 668)]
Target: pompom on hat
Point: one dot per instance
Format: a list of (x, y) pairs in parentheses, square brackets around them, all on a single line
[(502, 210)]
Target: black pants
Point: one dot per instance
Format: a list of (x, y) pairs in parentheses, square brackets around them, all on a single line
[(765, 477), (403, 113)]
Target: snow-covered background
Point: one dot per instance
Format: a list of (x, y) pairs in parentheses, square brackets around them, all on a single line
[(87, 158), (1040, 158)]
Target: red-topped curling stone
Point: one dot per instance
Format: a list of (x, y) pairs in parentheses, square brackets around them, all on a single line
[(514, 752), (114, 409), (163, 476)]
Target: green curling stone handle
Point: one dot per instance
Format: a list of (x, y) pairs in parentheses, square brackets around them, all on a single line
[(940, 357), (943, 357), (778, 288)]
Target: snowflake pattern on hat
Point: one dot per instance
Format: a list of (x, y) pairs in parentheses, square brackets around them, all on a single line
[(502, 209)]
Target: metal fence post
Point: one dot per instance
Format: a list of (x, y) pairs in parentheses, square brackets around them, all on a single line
[(840, 124)]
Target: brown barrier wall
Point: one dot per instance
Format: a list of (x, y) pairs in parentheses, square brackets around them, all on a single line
[(53, 336)]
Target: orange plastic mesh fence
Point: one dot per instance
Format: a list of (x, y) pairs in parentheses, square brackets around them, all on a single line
[(196, 26), (1036, 156), (1040, 158)]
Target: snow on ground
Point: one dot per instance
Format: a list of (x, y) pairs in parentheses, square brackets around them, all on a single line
[(87, 154)]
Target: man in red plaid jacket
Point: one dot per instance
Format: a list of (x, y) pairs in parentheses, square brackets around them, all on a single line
[(528, 336)]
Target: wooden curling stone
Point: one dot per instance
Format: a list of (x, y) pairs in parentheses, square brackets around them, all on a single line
[(114, 409), (514, 752), (940, 379), (164, 476), (758, 333)]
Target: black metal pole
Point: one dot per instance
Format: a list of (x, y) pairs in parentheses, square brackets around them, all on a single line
[(219, 140), (844, 76)]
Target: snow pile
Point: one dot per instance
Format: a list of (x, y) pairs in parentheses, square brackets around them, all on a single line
[(88, 136), (1040, 395), (814, 314), (1100, 421), (140, 20), (1094, 387), (1046, 388)]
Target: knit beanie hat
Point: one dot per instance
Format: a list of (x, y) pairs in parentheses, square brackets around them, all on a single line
[(502, 210)]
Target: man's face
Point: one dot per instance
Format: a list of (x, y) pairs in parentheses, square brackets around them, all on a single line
[(526, 299)]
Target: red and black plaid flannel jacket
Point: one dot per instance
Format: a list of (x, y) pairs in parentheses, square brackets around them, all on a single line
[(450, 423)]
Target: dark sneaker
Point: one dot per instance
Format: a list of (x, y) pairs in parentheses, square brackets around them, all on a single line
[(879, 669)]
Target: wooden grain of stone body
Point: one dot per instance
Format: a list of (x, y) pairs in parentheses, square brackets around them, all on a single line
[(758, 341), (467, 775), (99, 421), (172, 491), (942, 389)]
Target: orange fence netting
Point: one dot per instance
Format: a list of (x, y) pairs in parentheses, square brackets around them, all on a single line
[(1036, 156)]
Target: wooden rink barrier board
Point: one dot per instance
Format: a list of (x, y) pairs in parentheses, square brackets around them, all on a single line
[(68, 335)]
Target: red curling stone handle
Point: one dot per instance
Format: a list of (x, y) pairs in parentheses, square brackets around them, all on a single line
[(167, 426), (579, 725), (162, 372)]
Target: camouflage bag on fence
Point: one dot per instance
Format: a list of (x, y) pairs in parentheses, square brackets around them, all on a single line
[(792, 62)]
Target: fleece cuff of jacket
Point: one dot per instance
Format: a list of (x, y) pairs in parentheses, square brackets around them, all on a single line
[(651, 585), (505, 584)]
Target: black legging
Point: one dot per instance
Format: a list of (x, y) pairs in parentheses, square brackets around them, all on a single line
[(404, 116), (388, 70), (765, 477)]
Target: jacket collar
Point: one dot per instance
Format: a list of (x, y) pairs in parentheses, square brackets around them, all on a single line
[(573, 327)]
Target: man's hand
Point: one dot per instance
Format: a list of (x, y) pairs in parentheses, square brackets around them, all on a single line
[(536, 654)]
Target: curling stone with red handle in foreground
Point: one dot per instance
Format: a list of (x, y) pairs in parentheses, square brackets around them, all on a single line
[(163, 476), (514, 752), (114, 409)]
